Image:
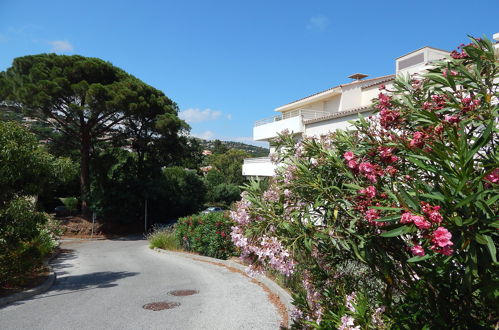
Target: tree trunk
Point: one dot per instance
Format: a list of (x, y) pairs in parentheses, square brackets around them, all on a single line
[(85, 173)]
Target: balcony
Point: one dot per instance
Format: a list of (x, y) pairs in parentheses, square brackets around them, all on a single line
[(260, 166), (268, 128)]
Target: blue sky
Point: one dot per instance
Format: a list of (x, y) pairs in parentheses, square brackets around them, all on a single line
[(229, 63)]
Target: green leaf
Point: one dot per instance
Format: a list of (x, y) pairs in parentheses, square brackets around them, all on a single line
[(387, 208), (435, 195), (492, 248), (397, 231), (411, 202), (437, 78), (353, 186), (390, 218), (420, 258), (481, 239)]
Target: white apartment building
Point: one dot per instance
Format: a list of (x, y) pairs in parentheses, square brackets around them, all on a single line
[(332, 108)]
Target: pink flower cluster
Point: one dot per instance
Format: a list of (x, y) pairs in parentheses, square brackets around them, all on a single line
[(418, 220), (241, 215), (369, 192), (272, 194), (386, 155), (372, 215), (313, 297), (418, 140), (432, 212), (441, 239), (388, 118), (460, 53), (493, 177)]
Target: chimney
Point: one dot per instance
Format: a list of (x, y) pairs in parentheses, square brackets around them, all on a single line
[(357, 76)]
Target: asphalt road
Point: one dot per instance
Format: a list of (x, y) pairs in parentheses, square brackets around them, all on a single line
[(105, 284)]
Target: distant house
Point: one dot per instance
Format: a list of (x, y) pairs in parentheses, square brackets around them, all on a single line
[(331, 109)]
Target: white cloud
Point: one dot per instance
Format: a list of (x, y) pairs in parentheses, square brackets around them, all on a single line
[(61, 46), (198, 115), (229, 116), (319, 22), (206, 135)]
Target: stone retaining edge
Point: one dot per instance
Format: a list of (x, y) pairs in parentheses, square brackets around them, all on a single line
[(30, 292)]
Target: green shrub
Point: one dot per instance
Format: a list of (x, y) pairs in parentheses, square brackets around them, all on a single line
[(25, 168), (164, 238), (24, 242), (207, 234)]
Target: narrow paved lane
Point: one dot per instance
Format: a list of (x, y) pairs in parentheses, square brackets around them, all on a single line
[(104, 284)]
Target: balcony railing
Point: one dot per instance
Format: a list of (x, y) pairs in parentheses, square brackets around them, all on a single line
[(257, 160), (305, 113)]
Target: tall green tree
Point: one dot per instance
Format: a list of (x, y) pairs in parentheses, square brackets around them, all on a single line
[(230, 164), (88, 100)]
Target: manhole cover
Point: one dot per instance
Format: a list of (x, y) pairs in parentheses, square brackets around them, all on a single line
[(159, 306), (183, 292)]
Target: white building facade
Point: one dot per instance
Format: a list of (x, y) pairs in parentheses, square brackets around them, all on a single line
[(332, 109)]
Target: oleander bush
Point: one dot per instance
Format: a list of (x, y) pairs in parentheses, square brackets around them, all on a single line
[(207, 234), (393, 224)]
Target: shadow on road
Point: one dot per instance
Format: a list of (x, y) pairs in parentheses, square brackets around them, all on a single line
[(134, 237), (97, 280)]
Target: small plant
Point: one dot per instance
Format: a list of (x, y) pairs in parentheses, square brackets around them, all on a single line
[(164, 238)]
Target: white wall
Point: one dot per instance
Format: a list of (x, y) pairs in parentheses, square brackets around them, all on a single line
[(332, 105), (351, 97), (270, 130), (327, 126)]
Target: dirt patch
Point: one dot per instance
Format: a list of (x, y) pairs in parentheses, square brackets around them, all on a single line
[(75, 226), (272, 297), (31, 281), (80, 227), (182, 293), (161, 305)]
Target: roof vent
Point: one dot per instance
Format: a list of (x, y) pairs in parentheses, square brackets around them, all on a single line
[(357, 76)]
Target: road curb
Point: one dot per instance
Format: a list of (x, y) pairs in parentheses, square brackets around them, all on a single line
[(283, 295), (38, 289), (31, 292)]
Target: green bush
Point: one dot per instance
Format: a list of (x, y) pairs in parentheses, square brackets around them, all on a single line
[(164, 238), (25, 168), (207, 234), (23, 241)]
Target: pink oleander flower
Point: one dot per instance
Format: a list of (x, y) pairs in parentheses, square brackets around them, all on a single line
[(371, 216), (366, 168), (350, 301), (388, 118), (442, 237), (417, 250), (271, 195), (348, 155), (352, 164), (492, 177), (369, 191), (347, 323), (418, 140), (421, 222), (452, 119), (390, 170), (406, 217), (432, 212)]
